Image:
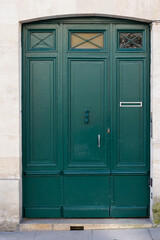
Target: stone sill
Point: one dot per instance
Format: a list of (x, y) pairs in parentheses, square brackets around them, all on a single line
[(86, 224)]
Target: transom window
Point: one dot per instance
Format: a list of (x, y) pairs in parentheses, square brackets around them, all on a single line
[(43, 40), (132, 40), (87, 40)]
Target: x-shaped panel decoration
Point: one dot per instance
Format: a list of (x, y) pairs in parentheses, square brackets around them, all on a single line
[(87, 40), (42, 40), (130, 40)]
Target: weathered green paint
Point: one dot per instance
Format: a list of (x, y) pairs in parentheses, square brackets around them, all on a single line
[(65, 172)]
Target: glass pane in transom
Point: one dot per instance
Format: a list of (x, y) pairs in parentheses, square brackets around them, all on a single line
[(87, 40)]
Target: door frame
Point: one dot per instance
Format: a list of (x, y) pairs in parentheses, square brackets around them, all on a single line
[(83, 20)]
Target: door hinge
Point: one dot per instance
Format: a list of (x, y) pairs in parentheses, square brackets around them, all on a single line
[(150, 26), (151, 130), (150, 182)]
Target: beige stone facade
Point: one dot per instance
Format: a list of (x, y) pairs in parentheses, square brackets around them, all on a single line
[(12, 14)]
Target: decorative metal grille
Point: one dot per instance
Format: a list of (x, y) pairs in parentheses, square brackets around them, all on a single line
[(130, 40), (42, 40), (87, 40)]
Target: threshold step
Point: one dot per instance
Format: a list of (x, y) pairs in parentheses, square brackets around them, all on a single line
[(83, 224)]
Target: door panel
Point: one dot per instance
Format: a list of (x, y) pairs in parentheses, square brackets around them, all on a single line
[(130, 137), (131, 133), (86, 93), (88, 196), (38, 198), (41, 130), (42, 111), (130, 79), (129, 197)]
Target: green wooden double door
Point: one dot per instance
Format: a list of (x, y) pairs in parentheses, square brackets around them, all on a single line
[(85, 118)]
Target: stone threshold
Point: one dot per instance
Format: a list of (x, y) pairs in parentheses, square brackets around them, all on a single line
[(83, 224)]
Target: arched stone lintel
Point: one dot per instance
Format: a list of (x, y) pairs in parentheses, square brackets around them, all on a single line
[(60, 16)]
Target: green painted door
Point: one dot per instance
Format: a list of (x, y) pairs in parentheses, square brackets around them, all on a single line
[(85, 118)]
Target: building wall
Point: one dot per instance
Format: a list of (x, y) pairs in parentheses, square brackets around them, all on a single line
[(12, 14)]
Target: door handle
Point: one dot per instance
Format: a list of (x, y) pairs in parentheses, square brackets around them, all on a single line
[(99, 140)]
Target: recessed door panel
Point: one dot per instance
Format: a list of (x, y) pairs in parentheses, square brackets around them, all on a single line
[(131, 75), (88, 196), (130, 80), (87, 79), (41, 111), (130, 196), (130, 137), (39, 200)]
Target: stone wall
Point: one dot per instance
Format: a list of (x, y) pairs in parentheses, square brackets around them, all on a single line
[(155, 109), (12, 14)]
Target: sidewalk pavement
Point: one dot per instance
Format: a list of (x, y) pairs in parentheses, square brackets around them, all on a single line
[(122, 234)]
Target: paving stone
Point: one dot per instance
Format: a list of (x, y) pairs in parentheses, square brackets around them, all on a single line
[(17, 235), (64, 235), (155, 233), (123, 234)]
